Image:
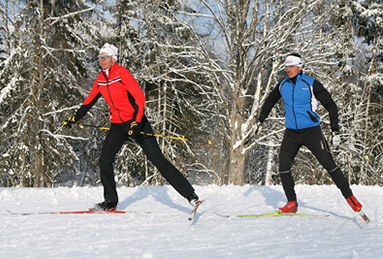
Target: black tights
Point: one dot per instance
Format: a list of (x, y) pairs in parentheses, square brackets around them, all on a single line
[(116, 138), (313, 139)]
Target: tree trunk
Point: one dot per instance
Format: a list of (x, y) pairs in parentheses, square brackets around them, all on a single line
[(38, 87), (38, 173), (269, 165), (237, 167)]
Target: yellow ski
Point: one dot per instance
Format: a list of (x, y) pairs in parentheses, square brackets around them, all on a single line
[(274, 214)]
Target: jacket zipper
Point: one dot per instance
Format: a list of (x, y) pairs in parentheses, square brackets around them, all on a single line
[(110, 96), (295, 117)]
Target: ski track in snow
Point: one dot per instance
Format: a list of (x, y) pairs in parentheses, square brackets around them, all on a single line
[(165, 232)]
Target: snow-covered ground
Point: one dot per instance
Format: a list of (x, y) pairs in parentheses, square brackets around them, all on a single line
[(165, 232)]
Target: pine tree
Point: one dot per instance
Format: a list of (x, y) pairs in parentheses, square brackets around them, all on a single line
[(42, 72)]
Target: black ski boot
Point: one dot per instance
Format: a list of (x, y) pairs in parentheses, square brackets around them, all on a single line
[(104, 206), (193, 199)]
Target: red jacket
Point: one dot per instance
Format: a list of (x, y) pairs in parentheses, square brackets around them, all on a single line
[(121, 91)]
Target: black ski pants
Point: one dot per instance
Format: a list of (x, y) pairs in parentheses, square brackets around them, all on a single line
[(116, 137), (314, 140)]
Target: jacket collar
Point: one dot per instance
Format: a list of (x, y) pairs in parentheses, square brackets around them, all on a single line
[(295, 79), (110, 70)]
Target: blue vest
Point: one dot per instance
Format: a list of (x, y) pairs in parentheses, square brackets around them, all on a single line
[(300, 102)]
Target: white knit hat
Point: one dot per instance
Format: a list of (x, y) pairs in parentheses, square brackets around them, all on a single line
[(293, 61), (110, 49)]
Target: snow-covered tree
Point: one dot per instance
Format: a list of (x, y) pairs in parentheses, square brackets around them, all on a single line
[(363, 109), (205, 67), (246, 61), (45, 45)]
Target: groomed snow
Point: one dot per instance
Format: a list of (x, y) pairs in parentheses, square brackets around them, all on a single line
[(165, 232)]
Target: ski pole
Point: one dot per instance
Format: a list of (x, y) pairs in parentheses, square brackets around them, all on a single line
[(354, 152), (91, 126), (143, 133)]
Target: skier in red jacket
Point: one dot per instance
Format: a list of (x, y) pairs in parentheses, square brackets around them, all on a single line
[(126, 102)]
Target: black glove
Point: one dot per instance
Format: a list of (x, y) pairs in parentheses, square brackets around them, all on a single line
[(134, 129), (68, 123)]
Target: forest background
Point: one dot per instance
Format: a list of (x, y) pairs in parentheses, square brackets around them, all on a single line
[(206, 67)]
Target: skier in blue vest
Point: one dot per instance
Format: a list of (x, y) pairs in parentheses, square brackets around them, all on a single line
[(301, 95)]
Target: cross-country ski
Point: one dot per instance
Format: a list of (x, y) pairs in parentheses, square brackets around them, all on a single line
[(194, 211), (364, 216), (70, 212), (273, 214)]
